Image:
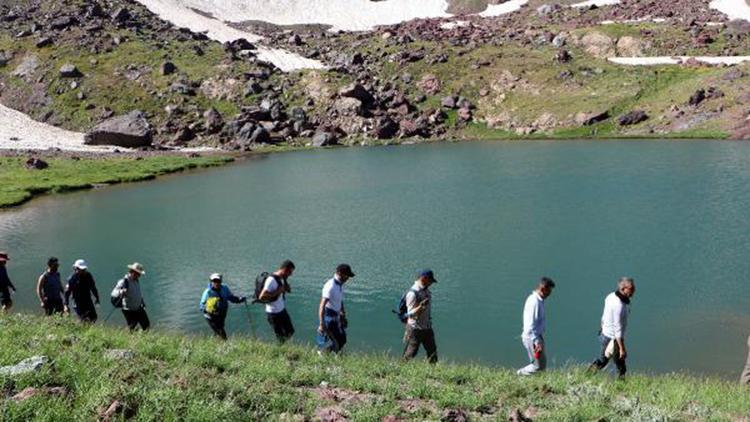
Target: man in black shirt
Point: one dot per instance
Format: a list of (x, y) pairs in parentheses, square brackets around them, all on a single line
[(5, 284), (82, 286)]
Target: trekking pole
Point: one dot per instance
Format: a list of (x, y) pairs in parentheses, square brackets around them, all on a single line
[(250, 319), (109, 315)]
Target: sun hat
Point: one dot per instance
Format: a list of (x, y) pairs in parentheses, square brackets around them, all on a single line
[(215, 276), (4, 256), (137, 268), (80, 264)]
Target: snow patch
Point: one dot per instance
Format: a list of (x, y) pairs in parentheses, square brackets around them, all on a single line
[(178, 14), (633, 21), (503, 8), (451, 25), (734, 9), (661, 60), (597, 3), (19, 131)]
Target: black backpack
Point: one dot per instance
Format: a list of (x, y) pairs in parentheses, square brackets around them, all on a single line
[(402, 309), (117, 300), (260, 281)]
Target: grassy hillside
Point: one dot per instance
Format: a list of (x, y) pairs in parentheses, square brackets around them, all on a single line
[(175, 377), (19, 184)]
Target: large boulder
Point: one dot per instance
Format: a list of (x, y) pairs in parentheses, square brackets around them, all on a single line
[(630, 47), (324, 139), (131, 130), (632, 118), (598, 45), (357, 91), (70, 71)]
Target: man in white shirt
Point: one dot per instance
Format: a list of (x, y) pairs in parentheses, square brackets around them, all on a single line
[(419, 318), (614, 324), (331, 313), (534, 323), (273, 295)]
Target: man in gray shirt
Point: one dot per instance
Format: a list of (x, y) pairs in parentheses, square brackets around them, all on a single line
[(129, 289), (419, 318), (49, 288)]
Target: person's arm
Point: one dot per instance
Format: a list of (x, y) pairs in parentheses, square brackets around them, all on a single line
[(66, 296), (616, 314), (94, 291), (204, 298), (268, 294), (39, 289), (234, 299), (321, 314)]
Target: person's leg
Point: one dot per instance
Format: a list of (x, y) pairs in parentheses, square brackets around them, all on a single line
[(58, 307), (130, 319), (533, 366), (143, 320), (286, 325), (275, 320), (47, 308), (337, 334), (745, 379), (217, 325), (602, 360), (428, 341), (412, 344)]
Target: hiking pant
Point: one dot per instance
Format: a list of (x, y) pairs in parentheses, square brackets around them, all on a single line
[(86, 314), (414, 338), (217, 324), (602, 361), (5, 301), (746, 373), (535, 364), (335, 330), (282, 325), (134, 318), (53, 307)]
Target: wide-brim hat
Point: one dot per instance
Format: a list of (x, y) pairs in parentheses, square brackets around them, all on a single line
[(137, 268), (4, 256)]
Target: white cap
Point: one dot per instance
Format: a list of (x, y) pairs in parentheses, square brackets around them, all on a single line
[(80, 264), (215, 276)]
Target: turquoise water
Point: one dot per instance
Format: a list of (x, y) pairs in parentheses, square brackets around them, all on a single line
[(489, 218)]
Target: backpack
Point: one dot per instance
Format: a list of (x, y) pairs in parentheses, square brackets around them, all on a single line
[(214, 305), (402, 310), (116, 298), (260, 281)]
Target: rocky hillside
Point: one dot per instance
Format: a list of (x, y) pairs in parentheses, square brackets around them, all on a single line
[(542, 71)]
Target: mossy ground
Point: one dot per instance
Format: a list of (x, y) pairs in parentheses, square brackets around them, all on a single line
[(18, 184), (177, 377)]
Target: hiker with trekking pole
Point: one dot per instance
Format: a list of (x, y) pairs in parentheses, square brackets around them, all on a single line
[(215, 304), (271, 290), (127, 296), (81, 286), (331, 312)]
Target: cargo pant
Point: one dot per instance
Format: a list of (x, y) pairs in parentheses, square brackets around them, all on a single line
[(414, 338), (535, 364)]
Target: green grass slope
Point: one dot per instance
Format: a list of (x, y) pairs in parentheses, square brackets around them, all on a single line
[(176, 377)]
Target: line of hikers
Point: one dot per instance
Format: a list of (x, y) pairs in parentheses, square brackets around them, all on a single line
[(414, 309)]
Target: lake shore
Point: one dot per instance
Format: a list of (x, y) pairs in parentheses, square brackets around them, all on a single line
[(162, 375)]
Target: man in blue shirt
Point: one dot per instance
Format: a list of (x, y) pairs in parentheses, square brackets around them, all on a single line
[(215, 304)]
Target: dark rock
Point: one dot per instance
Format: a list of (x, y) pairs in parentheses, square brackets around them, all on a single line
[(518, 416), (182, 89), (4, 58), (43, 42), (183, 134), (294, 40), (214, 121), (34, 163), (260, 136), (324, 139), (62, 22), (632, 118), (130, 130), (256, 113), (588, 119), (239, 44), (454, 415), (357, 91), (70, 71), (563, 56), (252, 88), (298, 114), (385, 128), (95, 10), (246, 132), (698, 97), (167, 68), (121, 15)]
